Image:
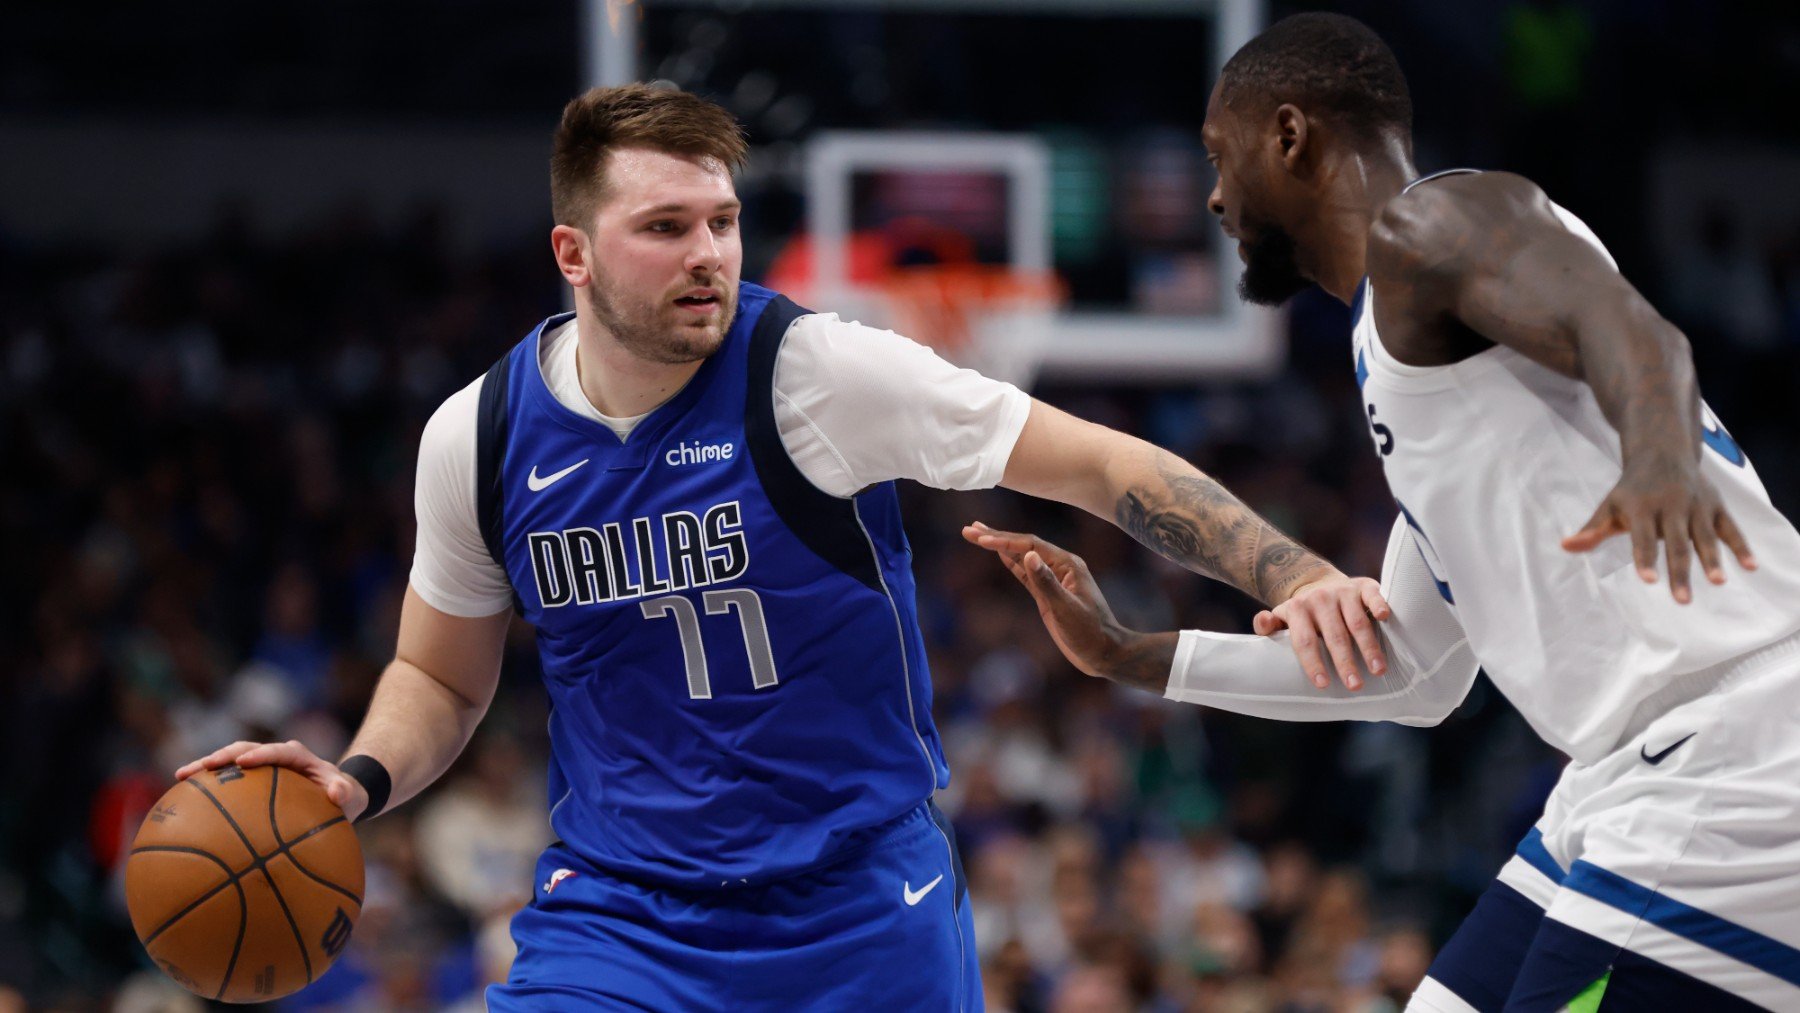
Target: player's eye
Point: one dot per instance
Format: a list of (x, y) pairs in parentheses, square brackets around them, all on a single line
[(662, 225), (723, 223)]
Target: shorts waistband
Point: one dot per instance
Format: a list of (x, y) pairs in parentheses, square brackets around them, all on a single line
[(916, 820), (1693, 685)]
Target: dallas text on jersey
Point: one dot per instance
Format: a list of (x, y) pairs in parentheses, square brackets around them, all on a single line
[(679, 550)]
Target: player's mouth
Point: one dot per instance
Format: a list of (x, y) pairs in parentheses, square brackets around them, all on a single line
[(700, 300), (1231, 234)]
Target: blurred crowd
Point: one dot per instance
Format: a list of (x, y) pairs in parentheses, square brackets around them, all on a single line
[(207, 525), (206, 520)]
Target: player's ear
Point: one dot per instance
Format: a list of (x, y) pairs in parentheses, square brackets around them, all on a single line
[(570, 246), (1292, 132)]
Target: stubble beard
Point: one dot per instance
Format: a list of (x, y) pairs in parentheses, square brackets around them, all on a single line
[(649, 331), (1271, 267)]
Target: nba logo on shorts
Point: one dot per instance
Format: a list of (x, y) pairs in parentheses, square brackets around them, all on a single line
[(557, 877)]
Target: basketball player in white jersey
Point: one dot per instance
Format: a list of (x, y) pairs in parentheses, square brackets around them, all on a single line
[(1513, 380)]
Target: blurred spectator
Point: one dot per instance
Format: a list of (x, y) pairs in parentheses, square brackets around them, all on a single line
[(480, 836), (1091, 988)]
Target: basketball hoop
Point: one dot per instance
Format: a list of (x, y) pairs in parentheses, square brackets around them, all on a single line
[(988, 317)]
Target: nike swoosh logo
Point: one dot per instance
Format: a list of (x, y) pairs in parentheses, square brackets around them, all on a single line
[(1654, 759), (912, 898), (536, 484)]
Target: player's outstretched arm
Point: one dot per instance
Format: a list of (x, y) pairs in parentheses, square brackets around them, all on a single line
[(1431, 664), (1489, 251), (425, 708), (1185, 516)]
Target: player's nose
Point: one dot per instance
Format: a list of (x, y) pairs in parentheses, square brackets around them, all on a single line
[(1215, 201), (704, 255)]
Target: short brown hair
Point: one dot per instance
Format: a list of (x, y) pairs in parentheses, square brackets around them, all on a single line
[(633, 115)]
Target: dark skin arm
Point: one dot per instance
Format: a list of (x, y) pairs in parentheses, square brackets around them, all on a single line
[(1467, 262), (1077, 616)]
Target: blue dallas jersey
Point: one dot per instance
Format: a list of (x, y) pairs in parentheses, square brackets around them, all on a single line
[(737, 680)]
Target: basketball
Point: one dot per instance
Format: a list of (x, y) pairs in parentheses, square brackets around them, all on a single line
[(244, 885)]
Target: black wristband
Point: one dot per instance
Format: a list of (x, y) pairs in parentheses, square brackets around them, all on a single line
[(368, 772)]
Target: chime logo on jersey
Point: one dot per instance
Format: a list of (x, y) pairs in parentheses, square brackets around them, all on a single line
[(695, 452), (679, 550)]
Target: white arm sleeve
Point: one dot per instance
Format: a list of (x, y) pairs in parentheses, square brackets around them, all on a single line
[(856, 406), (451, 567), (1430, 664)]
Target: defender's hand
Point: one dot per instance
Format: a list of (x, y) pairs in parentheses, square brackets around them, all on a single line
[(1335, 611), (1075, 612), (1672, 502), (344, 791)]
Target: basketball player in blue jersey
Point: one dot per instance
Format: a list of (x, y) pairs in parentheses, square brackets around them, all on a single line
[(686, 486), (1512, 381)]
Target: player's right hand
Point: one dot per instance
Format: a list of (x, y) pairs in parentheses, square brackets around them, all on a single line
[(344, 791), (1666, 499), (1075, 612), (1339, 614)]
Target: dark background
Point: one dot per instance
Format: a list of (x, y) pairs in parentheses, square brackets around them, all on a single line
[(211, 395)]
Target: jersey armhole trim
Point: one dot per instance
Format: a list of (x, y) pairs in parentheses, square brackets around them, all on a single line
[(492, 424), (826, 524)]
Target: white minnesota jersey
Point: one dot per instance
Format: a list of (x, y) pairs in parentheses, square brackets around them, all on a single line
[(1494, 460)]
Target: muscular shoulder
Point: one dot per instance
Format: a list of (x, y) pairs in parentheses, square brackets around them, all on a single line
[(1435, 231)]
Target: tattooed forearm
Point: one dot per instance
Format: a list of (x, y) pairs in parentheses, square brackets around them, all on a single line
[(1171, 532), (1187, 517), (1284, 566)]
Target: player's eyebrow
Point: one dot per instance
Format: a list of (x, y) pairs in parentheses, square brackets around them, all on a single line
[(676, 208)]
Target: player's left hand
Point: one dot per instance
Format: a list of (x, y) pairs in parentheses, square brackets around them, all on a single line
[(1075, 612), (1336, 611), (1668, 501)]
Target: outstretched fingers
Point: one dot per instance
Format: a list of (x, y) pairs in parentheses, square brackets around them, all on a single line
[(1734, 539), (224, 756), (1306, 648), (1706, 547), (1362, 631), (1602, 525), (1679, 553), (1017, 543)]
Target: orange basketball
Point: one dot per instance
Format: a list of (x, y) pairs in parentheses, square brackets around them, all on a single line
[(244, 885)]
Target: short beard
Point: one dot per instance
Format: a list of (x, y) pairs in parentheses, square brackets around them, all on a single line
[(1271, 270), (637, 329)]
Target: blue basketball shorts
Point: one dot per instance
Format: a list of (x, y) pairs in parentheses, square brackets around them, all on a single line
[(885, 927)]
